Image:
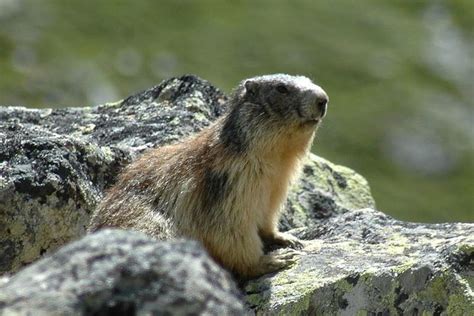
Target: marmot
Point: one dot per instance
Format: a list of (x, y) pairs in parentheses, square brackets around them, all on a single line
[(225, 185)]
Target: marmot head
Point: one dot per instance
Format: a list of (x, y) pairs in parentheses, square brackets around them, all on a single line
[(265, 108), (285, 97)]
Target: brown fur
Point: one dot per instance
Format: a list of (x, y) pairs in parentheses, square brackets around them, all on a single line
[(226, 195)]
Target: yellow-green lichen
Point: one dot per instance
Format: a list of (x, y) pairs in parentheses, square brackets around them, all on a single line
[(3, 181), (297, 307), (356, 192), (343, 286), (436, 290), (469, 279), (299, 210), (468, 249), (390, 298), (199, 117), (406, 265), (175, 121), (461, 305), (447, 290), (87, 128), (107, 105), (17, 228), (397, 244), (368, 275), (290, 292), (295, 301), (259, 300)]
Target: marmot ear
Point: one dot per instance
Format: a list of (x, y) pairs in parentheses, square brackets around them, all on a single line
[(250, 87)]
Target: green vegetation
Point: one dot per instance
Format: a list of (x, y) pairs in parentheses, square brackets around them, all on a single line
[(399, 75)]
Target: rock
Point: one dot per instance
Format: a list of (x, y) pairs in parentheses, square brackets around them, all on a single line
[(366, 263), (56, 163), (115, 272), (49, 185), (324, 190)]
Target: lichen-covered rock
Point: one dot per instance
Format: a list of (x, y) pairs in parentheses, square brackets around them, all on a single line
[(55, 164), (115, 272), (49, 184), (366, 263), (324, 190)]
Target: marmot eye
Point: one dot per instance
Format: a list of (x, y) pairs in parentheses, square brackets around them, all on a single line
[(282, 88)]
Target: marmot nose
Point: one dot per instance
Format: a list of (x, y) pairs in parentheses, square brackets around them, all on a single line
[(322, 103)]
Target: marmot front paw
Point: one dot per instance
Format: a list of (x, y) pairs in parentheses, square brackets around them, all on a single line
[(282, 240), (289, 240), (278, 260)]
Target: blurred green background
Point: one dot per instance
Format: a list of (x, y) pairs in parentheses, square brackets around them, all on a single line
[(399, 75)]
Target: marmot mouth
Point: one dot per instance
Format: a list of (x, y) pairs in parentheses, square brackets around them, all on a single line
[(314, 120), (310, 122)]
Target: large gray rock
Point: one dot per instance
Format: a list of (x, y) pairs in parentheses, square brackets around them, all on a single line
[(55, 164), (366, 263), (116, 272)]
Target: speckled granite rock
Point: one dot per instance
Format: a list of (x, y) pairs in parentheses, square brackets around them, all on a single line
[(115, 272), (55, 164), (366, 263), (324, 190)]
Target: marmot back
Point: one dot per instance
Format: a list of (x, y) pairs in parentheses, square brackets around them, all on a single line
[(226, 185)]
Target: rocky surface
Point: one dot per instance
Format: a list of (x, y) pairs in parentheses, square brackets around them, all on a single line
[(324, 190), (55, 164), (366, 263), (115, 272)]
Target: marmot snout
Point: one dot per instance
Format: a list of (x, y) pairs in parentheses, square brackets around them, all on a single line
[(226, 185)]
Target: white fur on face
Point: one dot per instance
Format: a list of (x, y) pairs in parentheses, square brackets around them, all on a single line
[(301, 82)]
